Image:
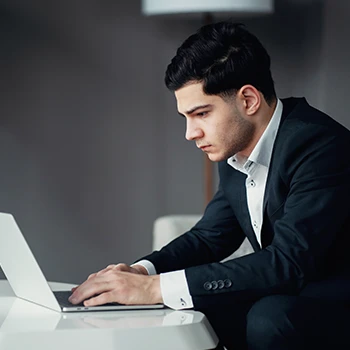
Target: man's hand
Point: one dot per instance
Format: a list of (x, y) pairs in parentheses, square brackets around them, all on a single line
[(119, 283)]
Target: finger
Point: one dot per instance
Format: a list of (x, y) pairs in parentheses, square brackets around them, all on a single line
[(92, 275), (74, 289), (118, 267), (98, 273), (106, 269), (100, 299), (89, 289), (109, 267)]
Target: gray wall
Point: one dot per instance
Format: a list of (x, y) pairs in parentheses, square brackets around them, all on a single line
[(335, 53), (92, 150)]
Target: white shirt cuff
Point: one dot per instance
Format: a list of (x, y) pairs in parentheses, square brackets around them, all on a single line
[(174, 289), (151, 270)]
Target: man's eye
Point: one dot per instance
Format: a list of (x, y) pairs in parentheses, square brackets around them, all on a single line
[(202, 114)]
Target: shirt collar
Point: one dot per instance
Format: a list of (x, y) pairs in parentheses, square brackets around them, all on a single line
[(262, 151)]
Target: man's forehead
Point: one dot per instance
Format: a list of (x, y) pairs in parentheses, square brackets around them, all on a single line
[(190, 96)]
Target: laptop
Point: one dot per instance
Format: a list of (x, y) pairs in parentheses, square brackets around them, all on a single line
[(27, 279)]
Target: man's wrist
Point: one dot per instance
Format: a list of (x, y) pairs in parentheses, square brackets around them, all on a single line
[(155, 289)]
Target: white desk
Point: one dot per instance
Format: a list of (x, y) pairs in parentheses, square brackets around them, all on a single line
[(24, 325)]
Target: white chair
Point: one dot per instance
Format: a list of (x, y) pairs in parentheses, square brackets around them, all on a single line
[(166, 228)]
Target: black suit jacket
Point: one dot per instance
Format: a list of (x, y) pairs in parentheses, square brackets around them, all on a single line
[(306, 228)]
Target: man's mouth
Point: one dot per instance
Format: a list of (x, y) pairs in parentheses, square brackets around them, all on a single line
[(204, 147)]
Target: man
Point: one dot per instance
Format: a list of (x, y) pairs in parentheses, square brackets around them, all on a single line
[(284, 174)]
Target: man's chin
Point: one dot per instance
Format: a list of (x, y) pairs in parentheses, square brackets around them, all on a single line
[(215, 157)]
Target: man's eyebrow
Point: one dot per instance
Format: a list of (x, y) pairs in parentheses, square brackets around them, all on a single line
[(190, 111)]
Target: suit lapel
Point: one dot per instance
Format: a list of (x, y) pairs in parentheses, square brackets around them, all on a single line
[(288, 106)]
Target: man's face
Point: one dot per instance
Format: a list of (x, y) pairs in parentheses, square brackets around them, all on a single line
[(215, 124)]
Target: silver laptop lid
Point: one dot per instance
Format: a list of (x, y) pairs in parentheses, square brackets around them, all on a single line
[(20, 267)]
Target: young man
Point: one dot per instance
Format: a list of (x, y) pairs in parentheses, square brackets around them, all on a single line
[(284, 174)]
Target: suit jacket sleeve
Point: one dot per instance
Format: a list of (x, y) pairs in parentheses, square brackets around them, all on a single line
[(213, 238)]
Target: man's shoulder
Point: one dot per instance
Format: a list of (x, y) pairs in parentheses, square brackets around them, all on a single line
[(298, 113), (306, 130), (296, 107)]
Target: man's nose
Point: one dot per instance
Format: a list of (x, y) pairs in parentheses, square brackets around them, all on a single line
[(193, 132)]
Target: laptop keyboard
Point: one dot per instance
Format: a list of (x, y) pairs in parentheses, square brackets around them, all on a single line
[(62, 298)]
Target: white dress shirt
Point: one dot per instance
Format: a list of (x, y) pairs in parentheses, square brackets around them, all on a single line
[(174, 287)]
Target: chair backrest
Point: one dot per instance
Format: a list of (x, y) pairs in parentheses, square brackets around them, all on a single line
[(168, 227)]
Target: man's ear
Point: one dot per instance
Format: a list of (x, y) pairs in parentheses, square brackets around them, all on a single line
[(250, 99)]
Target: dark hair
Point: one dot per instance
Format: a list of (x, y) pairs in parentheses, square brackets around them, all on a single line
[(224, 56)]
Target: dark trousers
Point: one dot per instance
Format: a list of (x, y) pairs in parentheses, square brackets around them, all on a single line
[(281, 322)]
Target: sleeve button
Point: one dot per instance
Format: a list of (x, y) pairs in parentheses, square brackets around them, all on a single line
[(207, 286), (214, 285), (221, 284), (228, 283)]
